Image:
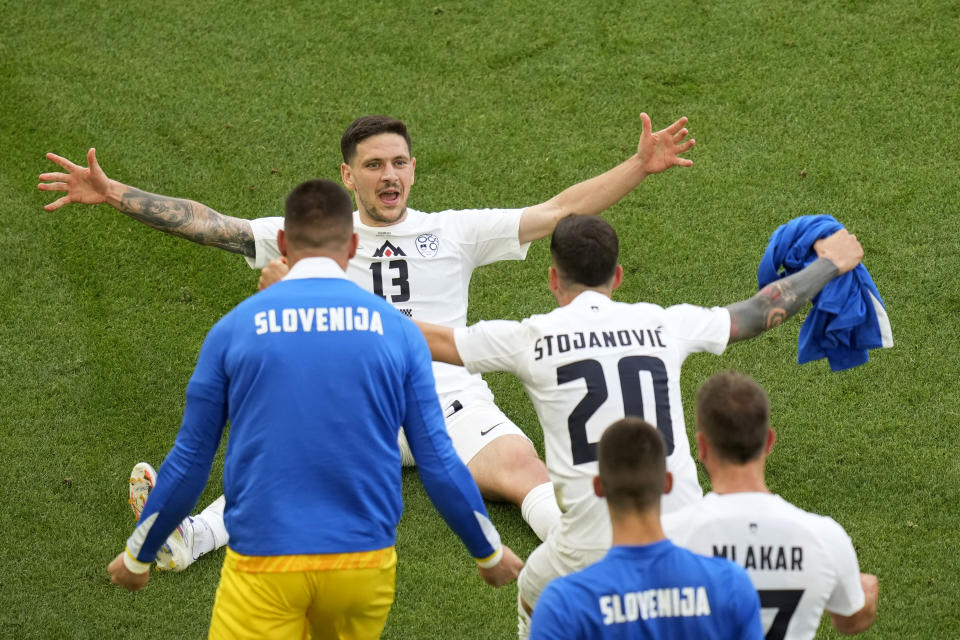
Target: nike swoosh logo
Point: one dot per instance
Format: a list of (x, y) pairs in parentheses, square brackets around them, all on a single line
[(483, 433)]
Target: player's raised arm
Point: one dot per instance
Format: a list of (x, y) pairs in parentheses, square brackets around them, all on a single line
[(656, 152), (781, 299), (185, 218), (443, 347)]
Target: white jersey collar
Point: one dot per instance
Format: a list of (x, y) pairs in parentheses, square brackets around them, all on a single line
[(412, 217), (315, 267), (589, 297)]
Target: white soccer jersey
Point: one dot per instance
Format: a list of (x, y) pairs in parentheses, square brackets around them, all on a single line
[(800, 563), (422, 265), (588, 364)]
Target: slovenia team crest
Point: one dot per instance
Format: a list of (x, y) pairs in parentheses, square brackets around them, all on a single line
[(428, 245)]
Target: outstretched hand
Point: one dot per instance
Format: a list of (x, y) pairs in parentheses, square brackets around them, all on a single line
[(661, 150), (84, 185)]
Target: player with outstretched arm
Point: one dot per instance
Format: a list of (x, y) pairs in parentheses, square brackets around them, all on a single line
[(419, 262), (593, 361)]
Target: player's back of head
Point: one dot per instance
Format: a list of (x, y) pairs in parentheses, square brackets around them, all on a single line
[(318, 215), (585, 250), (367, 127), (633, 464), (733, 413)]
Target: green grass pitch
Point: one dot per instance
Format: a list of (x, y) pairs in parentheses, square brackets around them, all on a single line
[(846, 107)]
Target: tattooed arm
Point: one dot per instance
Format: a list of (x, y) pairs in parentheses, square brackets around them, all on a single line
[(779, 300), (188, 219), (185, 218)]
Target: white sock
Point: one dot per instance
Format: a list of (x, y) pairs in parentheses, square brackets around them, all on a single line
[(406, 456), (209, 532), (540, 509)]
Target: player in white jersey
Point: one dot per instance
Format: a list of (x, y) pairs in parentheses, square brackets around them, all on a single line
[(423, 266), (593, 361), (800, 563), (420, 262)]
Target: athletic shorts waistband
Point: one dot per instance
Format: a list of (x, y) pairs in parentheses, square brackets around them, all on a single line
[(377, 559)]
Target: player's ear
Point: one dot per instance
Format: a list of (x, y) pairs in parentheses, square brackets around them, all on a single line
[(346, 176), (354, 243), (617, 279), (702, 447), (554, 279), (771, 440), (668, 483), (598, 487), (282, 243), (413, 171)]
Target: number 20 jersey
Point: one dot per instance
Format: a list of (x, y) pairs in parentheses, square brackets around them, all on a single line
[(585, 366), (422, 266)]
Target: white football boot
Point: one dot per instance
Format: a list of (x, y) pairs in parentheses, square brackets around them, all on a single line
[(177, 552), (142, 480)]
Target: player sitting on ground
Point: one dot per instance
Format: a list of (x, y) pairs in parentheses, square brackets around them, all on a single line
[(801, 563), (645, 587), (593, 361), (419, 262)]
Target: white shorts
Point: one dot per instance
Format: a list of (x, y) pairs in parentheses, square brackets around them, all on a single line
[(551, 560), (473, 422)]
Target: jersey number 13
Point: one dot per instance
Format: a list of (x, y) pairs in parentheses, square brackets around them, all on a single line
[(401, 280)]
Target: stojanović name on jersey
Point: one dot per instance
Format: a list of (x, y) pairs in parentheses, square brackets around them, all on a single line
[(563, 342), (763, 557), (673, 602), (320, 319)]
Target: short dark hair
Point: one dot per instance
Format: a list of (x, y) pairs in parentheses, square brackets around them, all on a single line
[(733, 412), (319, 215), (633, 465), (367, 127), (585, 250)]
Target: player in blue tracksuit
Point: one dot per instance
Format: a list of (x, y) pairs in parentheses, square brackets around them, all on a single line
[(316, 376), (645, 587)]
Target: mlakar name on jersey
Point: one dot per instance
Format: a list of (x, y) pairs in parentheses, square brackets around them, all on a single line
[(319, 319), (674, 602), (763, 557), (564, 342)]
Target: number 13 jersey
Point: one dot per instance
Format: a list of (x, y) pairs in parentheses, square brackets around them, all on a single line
[(588, 364), (422, 265)]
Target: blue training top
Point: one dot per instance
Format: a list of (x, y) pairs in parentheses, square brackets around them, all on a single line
[(848, 316), (316, 376), (650, 592)]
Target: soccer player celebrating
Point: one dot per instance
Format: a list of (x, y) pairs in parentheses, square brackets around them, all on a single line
[(421, 263), (800, 563), (645, 587), (313, 496), (593, 361)]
